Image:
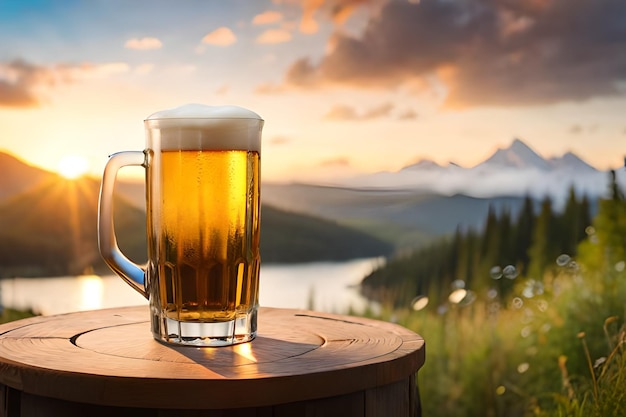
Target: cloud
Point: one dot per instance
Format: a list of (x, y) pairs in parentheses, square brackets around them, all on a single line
[(143, 44), (340, 161), (271, 36), (379, 111), (577, 128), (269, 88), (222, 36), (343, 112), (279, 140), (18, 80), (267, 18), (338, 11), (408, 114), (480, 52), (23, 84)]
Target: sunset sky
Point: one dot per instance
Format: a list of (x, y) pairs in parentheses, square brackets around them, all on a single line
[(345, 86)]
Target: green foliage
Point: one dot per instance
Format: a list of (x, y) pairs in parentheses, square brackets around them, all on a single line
[(553, 345), (529, 243), (9, 314), (291, 237)]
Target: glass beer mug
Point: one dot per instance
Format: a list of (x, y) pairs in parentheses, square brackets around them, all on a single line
[(203, 222)]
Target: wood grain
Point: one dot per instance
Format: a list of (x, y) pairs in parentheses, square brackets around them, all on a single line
[(109, 357)]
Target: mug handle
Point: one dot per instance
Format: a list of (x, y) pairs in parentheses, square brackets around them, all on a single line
[(132, 273)]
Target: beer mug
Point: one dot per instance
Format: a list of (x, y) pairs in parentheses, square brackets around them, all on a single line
[(202, 168)]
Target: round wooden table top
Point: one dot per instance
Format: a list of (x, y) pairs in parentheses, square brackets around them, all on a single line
[(109, 357)]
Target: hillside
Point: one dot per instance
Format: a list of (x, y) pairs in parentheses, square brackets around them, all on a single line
[(405, 218), (17, 177), (291, 237), (51, 229)]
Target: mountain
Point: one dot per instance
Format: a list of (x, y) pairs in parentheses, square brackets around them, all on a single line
[(513, 171), (17, 176), (51, 229), (517, 155), (403, 217)]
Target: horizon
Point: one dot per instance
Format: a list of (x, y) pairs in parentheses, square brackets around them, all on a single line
[(345, 87), (72, 171)]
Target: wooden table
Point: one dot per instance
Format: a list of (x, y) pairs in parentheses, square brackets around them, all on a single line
[(302, 363)]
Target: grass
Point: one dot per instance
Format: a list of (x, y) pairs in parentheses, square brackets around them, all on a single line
[(557, 350), (9, 314)]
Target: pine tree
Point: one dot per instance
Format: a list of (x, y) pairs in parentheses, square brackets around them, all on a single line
[(605, 248), (541, 253), (523, 233)]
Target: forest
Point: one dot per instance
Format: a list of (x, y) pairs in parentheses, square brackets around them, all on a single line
[(504, 249), (525, 317)]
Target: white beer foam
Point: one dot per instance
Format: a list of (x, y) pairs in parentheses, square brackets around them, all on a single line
[(197, 126)]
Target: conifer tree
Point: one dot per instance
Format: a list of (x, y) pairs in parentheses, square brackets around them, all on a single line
[(523, 232), (541, 253), (605, 248)]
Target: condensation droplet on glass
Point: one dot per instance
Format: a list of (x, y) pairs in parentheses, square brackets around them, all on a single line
[(590, 230), (599, 362), (593, 239), (523, 367), (517, 303), (563, 259), (509, 272), (532, 350), (442, 309), (492, 293), (619, 267), (545, 328), (495, 272), (500, 390), (573, 266), (525, 332)]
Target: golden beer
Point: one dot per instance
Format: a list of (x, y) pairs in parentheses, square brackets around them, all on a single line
[(202, 208), (203, 233)]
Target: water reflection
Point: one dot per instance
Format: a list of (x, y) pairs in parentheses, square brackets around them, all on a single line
[(333, 285), (91, 292)]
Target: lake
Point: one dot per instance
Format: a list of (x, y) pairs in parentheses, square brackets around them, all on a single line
[(323, 286)]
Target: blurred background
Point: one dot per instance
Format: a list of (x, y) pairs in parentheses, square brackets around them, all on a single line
[(456, 166)]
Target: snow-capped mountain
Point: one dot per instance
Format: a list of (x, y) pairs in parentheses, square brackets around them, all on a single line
[(518, 155), (513, 171)]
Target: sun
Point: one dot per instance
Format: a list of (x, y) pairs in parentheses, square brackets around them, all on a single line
[(72, 166)]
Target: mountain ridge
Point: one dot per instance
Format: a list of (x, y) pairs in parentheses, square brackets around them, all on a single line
[(516, 170), (50, 229)]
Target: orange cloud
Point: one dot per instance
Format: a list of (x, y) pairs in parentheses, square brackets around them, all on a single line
[(267, 18), (340, 161), (338, 11), (23, 84), (475, 52), (274, 36), (222, 36), (143, 43), (343, 112)]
